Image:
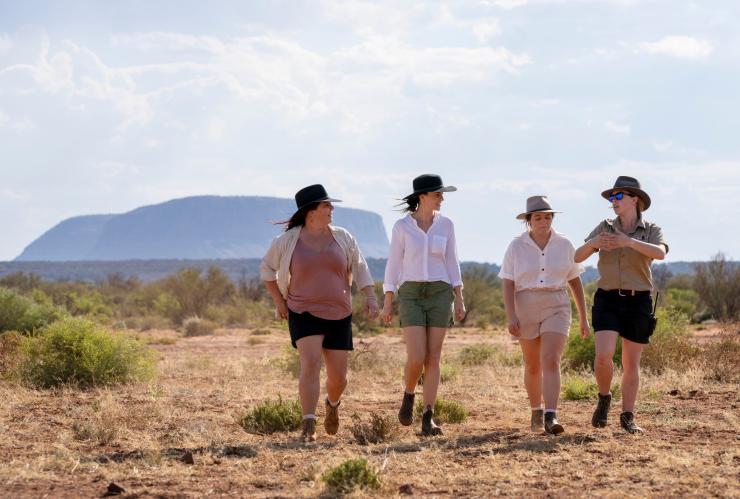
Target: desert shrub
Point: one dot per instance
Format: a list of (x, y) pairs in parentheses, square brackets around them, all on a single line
[(10, 342), (166, 305), (103, 425), (77, 351), (360, 319), (367, 357), (255, 340), (670, 345), (483, 296), (272, 416), (717, 283), (350, 475), (581, 388), (685, 301), (146, 323), (722, 360), (510, 359), (194, 292), (445, 411), (579, 353), (378, 429), (260, 331), (448, 372), (195, 326), (19, 313), (90, 303), (476, 355), (290, 361)]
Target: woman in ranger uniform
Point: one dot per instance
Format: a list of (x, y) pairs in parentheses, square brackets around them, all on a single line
[(627, 246)]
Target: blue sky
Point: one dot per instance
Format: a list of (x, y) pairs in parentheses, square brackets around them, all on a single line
[(107, 106)]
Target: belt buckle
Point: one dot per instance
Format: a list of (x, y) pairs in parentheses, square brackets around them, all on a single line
[(630, 292)]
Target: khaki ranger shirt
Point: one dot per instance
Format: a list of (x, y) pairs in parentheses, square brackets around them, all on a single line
[(625, 268)]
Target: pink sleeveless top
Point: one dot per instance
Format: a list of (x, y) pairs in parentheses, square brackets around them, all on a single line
[(319, 283)]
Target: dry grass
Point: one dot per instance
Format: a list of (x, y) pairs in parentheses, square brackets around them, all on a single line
[(72, 443)]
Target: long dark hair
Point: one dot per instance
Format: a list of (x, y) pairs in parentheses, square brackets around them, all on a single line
[(410, 203), (298, 219)]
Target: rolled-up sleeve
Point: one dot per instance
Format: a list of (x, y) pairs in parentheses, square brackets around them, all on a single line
[(656, 237), (508, 266), (598, 230), (395, 261), (270, 262), (576, 268), (451, 260), (360, 270)]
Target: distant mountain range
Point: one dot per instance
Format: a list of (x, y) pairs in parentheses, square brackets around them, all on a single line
[(194, 228)]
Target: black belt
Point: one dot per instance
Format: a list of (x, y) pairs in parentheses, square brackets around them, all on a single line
[(624, 292)]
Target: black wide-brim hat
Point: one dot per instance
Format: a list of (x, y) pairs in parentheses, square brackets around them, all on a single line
[(312, 194), (429, 183), (631, 185)]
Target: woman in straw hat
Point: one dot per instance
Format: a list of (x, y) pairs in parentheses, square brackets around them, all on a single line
[(424, 271), (537, 268), (627, 245), (308, 270)]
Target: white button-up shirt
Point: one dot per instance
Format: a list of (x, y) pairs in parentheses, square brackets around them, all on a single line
[(421, 256), (533, 268)]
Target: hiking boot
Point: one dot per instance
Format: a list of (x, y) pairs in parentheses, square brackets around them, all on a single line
[(406, 413), (428, 426), (308, 430), (331, 419), (627, 420), (601, 414), (537, 423), (551, 424)]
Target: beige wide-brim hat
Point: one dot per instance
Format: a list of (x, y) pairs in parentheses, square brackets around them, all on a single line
[(631, 185), (537, 204)]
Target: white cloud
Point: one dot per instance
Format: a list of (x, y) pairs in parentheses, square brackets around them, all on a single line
[(682, 47), (504, 4), (618, 128), (485, 29)]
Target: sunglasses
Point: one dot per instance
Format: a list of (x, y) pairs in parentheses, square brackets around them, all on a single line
[(619, 195)]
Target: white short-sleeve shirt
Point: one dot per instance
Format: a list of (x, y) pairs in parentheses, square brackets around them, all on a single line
[(421, 256), (533, 268)]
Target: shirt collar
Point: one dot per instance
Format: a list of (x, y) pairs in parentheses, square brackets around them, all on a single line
[(554, 235), (640, 224)]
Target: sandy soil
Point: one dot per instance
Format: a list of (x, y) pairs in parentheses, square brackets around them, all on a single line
[(72, 443)]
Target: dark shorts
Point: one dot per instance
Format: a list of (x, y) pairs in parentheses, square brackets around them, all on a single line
[(337, 334), (629, 315)]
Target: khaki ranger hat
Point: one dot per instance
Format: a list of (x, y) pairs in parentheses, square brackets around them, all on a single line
[(537, 204)]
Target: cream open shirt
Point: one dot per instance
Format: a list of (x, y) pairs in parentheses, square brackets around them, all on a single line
[(533, 268), (275, 264), (421, 256)]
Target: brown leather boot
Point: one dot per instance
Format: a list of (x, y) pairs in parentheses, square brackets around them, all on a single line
[(308, 430), (331, 419), (601, 414), (428, 426), (537, 423)]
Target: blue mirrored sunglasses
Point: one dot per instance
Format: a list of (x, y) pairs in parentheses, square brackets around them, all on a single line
[(618, 196)]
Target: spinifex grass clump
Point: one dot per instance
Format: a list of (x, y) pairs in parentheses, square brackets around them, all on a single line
[(18, 313), (350, 475), (78, 352), (476, 355), (445, 411), (580, 388), (272, 416), (195, 326), (378, 429)]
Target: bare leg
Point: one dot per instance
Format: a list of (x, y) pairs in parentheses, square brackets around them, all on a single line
[(309, 383), (551, 349), (336, 373), (532, 371), (606, 343), (416, 347), (435, 339), (631, 353)]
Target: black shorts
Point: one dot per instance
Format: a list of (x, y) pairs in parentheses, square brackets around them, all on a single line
[(337, 334), (629, 315)]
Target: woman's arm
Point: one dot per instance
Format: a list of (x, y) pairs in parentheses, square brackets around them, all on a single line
[(281, 307), (507, 286), (654, 251), (387, 313), (588, 249), (453, 272), (576, 287), (371, 301)]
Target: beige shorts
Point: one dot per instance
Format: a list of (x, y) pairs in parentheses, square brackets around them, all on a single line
[(542, 311)]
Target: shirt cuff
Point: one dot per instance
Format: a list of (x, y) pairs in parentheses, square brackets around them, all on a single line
[(505, 275), (389, 287)]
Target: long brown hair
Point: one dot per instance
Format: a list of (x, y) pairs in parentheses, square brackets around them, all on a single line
[(410, 203), (298, 219)]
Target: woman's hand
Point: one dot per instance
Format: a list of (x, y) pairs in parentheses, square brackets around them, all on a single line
[(371, 308), (585, 327), (620, 240), (459, 309), (514, 326), (281, 309), (387, 314)]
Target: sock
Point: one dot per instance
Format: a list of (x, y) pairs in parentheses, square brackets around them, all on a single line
[(538, 408), (309, 416), (550, 410), (333, 404)]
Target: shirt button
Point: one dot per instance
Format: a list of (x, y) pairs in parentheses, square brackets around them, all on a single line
[(543, 269), (542, 281)]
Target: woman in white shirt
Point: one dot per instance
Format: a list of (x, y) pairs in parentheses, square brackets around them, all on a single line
[(537, 266), (423, 270)]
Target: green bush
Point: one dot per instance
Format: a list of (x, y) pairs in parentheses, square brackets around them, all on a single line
[(670, 345), (476, 355), (579, 353), (76, 351), (350, 475), (272, 416), (10, 342), (378, 429), (445, 411), (18, 313), (580, 388), (195, 326)]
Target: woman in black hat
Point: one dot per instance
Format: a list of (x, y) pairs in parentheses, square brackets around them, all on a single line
[(308, 270), (424, 271), (627, 246)]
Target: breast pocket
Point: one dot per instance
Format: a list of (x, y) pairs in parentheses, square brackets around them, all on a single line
[(438, 245)]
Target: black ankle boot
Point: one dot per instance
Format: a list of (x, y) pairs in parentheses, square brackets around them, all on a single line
[(627, 420), (428, 426), (601, 414), (406, 413), (551, 424)]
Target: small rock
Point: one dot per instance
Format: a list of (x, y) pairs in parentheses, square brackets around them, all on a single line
[(406, 489), (187, 458), (675, 392), (693, 393), (114, 490)]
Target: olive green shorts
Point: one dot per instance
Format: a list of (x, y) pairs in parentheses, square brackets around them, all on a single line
[(425, 304)]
